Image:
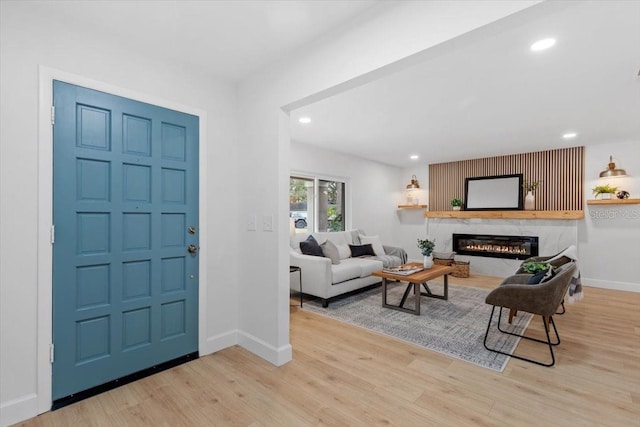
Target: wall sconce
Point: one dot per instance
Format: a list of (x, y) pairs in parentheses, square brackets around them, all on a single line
[(611, 170), (411, 187)]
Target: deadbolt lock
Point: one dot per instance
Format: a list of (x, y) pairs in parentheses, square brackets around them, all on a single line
[(191, 229)]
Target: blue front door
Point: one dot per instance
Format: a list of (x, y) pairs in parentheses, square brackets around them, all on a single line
[(125, 212)]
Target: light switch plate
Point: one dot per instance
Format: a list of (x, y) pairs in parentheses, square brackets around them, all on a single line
[(267, 223), (252, 223)]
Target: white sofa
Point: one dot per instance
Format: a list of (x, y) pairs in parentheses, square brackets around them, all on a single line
[(325, 280)]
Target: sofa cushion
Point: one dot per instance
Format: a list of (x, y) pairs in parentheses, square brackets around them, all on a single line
[(374, 241), (344, 251), (345, 271), (369, 265), (361, 250), (330, 250), (311, 247), (354, 268), (342, 240)]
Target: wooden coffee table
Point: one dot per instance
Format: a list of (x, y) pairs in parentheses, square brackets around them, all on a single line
[(415, 280)]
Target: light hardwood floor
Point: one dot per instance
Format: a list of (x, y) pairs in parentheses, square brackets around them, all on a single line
[(343, 375)]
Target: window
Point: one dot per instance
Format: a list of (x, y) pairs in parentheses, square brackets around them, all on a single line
[(316, 204)]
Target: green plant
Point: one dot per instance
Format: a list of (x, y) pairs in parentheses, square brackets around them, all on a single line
[(604, 189), (456, 202), (426, 246), (335, 223), (530, 185), (533, 267)]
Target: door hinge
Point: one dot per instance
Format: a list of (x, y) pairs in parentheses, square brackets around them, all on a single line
[(53, 234), (51, 353), (53, 114)]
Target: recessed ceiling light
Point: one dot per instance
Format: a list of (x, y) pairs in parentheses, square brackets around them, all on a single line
[(543, 44), (304, 120), (569, 135), (414, 157)]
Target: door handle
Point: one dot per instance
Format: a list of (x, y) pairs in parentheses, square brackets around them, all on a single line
[(192, 249)]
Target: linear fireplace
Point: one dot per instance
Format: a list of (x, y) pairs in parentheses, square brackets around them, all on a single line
[(487, 245)]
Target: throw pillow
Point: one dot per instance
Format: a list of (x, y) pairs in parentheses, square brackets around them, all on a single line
[(361, 250), (330, 250), (542, 276), (311, 247), (375, 243), (343, 250)]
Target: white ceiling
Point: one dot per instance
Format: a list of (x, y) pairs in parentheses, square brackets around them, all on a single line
[(225, 39), (479, 95), (486, 94)]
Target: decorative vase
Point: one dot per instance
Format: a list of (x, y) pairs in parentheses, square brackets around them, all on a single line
[(456, 208), (622, 194), (605, 196), (428, 261), (529, 201)]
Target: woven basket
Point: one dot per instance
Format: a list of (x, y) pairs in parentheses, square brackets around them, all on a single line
[(446, 262), (460, 269)]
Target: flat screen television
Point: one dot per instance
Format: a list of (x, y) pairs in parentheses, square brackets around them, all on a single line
[(493, 193)]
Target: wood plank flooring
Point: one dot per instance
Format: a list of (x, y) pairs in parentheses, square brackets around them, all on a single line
[(346, 376)]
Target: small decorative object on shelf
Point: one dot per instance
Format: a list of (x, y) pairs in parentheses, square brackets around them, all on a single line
[(426, 248), (622, 194), (412, 193), (456, 204), (530, 198), (604, 191), (529, 201)]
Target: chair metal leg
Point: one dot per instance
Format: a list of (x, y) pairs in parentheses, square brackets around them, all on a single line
[(548, 341), (563, 309)]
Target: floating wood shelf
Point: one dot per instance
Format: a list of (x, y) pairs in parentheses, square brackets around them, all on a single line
[(614, 202), (412, 206), (506, 214)]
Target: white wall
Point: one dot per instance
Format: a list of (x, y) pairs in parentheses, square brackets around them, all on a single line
[(609, 236), (412, 221), (28, 41), (372, 187), (341, 60)]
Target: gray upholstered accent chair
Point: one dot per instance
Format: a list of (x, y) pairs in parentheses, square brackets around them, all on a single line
[(542, 299)]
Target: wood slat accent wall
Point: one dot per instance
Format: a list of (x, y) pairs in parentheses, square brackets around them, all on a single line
[(561, 172)]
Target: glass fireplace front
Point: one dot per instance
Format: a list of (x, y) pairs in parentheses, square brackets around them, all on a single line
[(495, 246)]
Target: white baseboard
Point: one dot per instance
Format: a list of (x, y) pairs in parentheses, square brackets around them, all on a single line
[(276, 356), (19, 409), (607, 284), (219, 342)]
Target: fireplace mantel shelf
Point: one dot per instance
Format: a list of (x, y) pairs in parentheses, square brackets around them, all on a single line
[(506, 214)]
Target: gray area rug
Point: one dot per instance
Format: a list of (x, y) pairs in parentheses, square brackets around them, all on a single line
[(455, 327)]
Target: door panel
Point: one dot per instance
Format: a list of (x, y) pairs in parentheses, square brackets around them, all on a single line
[(125, 287)]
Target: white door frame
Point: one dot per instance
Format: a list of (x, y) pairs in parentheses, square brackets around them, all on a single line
[(45, 213)]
